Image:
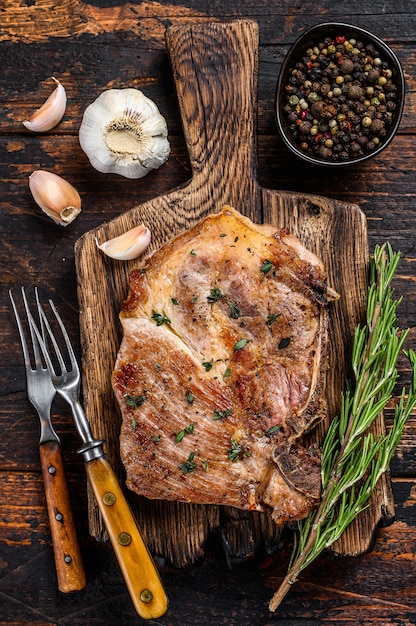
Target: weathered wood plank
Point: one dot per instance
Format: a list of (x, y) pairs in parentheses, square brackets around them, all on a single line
[(99, 44), (25, 82)]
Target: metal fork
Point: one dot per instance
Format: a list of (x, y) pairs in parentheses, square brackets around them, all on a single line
[(41, 392), (139, 571)]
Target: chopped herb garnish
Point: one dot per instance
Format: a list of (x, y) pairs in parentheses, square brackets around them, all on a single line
[(219, 415), (190, 398), (284, 343), (235, 239), (186, 431), (179, 436), (240, 344), (194, 299), (205, 466), (237, 452), (272, 317), (272, 431), (267, 267), (227, 372), (223, 235), (174, 301), (192, 252), (158, 367), (134, 423), (189, 465), (215, 295), (207, 365), (157, 438), (134, 401), (160, 319), (235, 311)]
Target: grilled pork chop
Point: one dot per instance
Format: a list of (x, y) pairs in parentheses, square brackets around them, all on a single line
[(221, 369)]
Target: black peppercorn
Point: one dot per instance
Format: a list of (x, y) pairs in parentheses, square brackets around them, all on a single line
[(340, 98)]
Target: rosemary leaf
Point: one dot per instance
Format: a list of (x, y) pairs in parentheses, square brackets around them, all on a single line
[(353, 460)]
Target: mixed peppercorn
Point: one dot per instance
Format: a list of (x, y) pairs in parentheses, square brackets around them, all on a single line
[(340, 99)]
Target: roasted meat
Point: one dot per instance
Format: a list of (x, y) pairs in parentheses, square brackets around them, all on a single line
[(221, 369)]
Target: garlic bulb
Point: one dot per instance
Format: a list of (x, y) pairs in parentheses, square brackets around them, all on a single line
[(127, 246), (123, 132), (55, 196), (50, 113)]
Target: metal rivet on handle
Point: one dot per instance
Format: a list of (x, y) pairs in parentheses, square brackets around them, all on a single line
[(124, 539), (67, 558), (59, 517), (146, 596), (109, 498), (52, 470)]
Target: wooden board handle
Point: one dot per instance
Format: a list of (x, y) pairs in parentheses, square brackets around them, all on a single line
[(136, 564), (69, 567), (215, 68)]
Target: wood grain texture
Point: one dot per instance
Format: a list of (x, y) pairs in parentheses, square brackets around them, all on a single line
[(95, 45), (215, 72), (68, 559)]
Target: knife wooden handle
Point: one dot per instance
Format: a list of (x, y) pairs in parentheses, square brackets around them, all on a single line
[(139, 571), (69, 566)]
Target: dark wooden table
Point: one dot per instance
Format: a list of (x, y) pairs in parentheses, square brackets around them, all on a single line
[(91, 47)]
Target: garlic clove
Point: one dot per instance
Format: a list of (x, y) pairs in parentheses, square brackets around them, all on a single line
[(127, 246), (55, 196), (123, 132), (50, 113)]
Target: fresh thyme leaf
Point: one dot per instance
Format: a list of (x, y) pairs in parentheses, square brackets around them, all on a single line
[(240, 344), (272, 431), (220, 415), (179, 436), (223, 235), (190, 398), (234, 452), (157, 438), (160, 319), (215, 295), (353, 460), (207, 365), (194, 299), (134, 423), (227, 372), (267, 267), (174, 301), (189, 465), (237, 452), (134, 401), (272, 317), (235, 311), (192, 252), (188, 430), (205, 466)]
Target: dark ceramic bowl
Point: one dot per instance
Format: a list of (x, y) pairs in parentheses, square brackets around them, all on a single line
[(310, 39)]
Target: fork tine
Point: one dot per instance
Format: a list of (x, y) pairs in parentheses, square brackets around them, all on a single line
[(35, 343), (41, 337), (65, 335), (23, 342), (36, 336), (44, 323)]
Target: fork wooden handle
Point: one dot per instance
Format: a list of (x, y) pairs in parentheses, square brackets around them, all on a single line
[(69, 566), (136, 564)]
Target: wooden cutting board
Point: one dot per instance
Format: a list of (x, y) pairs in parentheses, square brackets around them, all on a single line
[(215, 71)]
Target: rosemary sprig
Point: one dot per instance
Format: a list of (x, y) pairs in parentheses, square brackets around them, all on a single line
[(353, 459)]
